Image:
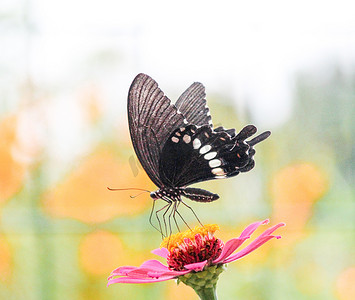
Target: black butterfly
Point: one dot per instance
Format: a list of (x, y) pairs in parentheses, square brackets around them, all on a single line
[(178, 146)]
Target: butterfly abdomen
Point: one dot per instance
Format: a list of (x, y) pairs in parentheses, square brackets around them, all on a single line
[(199, 195)]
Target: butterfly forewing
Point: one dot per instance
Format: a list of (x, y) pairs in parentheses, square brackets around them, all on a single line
[(152, 118)]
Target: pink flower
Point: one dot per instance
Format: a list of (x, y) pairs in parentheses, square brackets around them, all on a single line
[(191, 254)]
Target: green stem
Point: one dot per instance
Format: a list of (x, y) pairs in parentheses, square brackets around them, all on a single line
[(204, 282), (207, 293)]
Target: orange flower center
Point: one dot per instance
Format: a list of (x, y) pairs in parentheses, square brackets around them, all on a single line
[(192, 246)]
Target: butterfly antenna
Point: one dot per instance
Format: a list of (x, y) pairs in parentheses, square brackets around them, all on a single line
[(137, 195), (128, 189)]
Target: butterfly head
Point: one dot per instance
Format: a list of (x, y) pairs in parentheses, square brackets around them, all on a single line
[(154, 195)]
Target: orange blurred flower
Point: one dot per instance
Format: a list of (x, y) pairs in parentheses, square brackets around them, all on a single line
[(345, 284), (83, 195), (99, 251), (12, 171), (295, 189), (21, 139)]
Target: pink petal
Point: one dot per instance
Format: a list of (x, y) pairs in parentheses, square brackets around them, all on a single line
[(119, 272), (140, 273), (235, 243), (138, 280), (247, 232), (123, 270), (148, 267), (229, 248), (169, 273), (154, 265), (262, 239), (163, 252), (272, 229), (268, 231), (250, 248), (147, 274), (196, 266)]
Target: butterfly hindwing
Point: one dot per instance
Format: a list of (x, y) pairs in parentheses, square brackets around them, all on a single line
[(193, 105), (193, 154)]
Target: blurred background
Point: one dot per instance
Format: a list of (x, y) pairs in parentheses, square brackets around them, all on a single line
[(65, 70)]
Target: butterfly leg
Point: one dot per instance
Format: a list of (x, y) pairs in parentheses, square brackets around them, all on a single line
[(166, 207), (175, 208), (164, 214), (172, 214), (151, 222), (190, 208), (177, 211)]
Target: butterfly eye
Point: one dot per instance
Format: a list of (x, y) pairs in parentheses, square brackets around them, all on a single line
[(154, 195)]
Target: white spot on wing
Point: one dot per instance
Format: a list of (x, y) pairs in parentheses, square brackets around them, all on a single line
[(215, 163), (205, 149), (175, 139), (196, 143), (218, 172), (210, 155), (186, 138)]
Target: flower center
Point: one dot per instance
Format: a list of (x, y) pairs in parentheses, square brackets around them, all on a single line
[(192, 246)]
